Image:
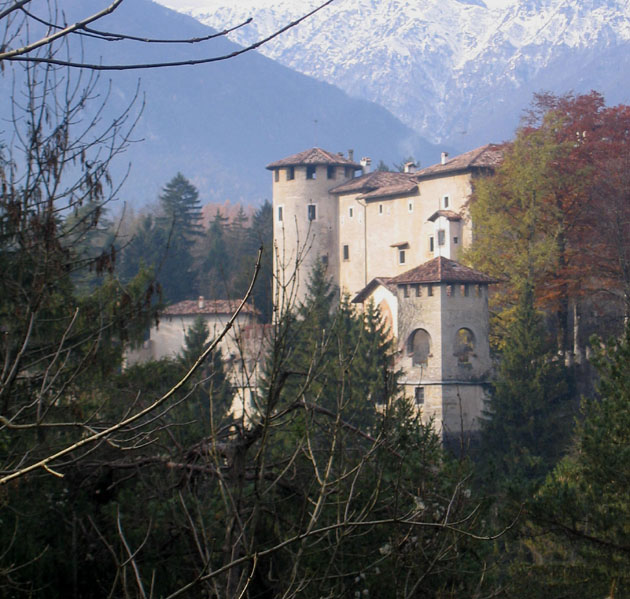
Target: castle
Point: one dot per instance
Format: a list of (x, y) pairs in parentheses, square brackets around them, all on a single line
[(393, 238)]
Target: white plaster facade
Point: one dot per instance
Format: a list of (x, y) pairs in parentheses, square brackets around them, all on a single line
[(371, 230)]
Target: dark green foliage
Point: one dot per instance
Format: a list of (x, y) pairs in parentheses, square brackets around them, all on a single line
[(580, 524), (528, 416)]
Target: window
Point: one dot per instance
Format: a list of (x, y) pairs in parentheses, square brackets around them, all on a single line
[(418, 290), (455, 240), (349, 172), (429, 290), (464, 290), (446, 198), (410, 206), (401, 256), (419, 347), (478, 291), (280, 213), (450, 290), (431, 244), (346, 252), (330, 172), (418, 394), (380, 208), (464, 345), (441, 237), (350, 212), (290, 173), (276, 175), (311, 172), (325, 259), (312, 212)]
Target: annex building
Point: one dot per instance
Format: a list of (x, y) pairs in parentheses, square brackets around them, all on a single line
[(394, 239)]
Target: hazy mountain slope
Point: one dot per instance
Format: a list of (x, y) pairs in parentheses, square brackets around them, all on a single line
[(456, 71), (220, 124)]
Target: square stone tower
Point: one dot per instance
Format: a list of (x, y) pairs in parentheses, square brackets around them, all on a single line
[(439, 316)]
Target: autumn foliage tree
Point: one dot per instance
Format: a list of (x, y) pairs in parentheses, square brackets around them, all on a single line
[(554, 214)]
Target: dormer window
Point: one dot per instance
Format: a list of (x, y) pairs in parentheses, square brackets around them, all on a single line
[(311, 171)]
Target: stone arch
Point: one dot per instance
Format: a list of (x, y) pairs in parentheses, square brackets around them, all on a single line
[(464, 345), (419, 347)]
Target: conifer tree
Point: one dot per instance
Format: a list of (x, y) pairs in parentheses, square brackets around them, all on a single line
[(528, 414)]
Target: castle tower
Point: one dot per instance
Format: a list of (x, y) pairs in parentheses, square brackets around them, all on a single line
[(306, 227), (439, 314)]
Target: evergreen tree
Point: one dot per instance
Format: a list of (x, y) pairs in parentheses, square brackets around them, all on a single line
[(528, 414), (181, 207), (260, 234), (577, 544)]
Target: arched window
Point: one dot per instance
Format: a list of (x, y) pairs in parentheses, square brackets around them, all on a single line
[(464, 345), (419, 347)]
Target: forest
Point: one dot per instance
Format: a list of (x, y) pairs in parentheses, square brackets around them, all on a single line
[(141, 482)]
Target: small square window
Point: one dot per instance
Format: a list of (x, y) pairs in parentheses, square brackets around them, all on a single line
[(419, 395), (312, 212), (280, 213), (325, 259), (290, 173), (311, 172), (401, 256), (330, 172), (455, 240), (346, 252)]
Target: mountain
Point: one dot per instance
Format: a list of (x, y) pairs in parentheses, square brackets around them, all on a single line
[(220, 123), (459, 72)]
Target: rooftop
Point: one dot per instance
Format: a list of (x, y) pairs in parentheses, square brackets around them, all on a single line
[(314, 156), (204, 306), (448, 214), (374, 181), (442, 270), (489, 156)]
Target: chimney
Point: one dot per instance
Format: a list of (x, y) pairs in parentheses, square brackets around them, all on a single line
[(366, 163), (350, 155), (444, 157), (409, 167), (201, 303)]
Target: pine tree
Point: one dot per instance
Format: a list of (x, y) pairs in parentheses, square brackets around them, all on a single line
[(525, 429)]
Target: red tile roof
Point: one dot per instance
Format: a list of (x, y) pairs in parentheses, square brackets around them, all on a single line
[(489, 156), (442, 270), (408, 188), (314, 156), (374, 181), (191, 307), (448, 214)]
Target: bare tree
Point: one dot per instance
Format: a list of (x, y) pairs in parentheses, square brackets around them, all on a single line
[(18, 17)]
